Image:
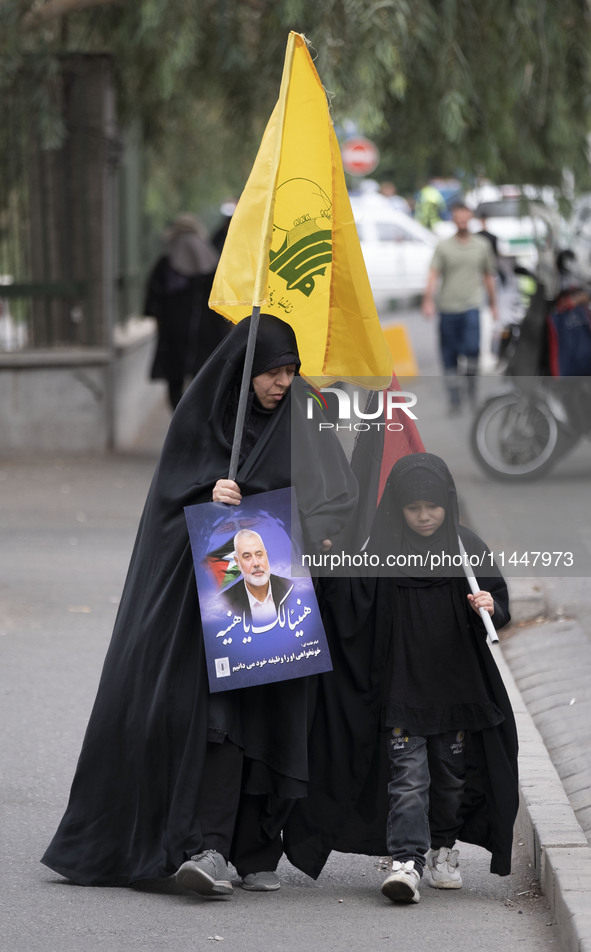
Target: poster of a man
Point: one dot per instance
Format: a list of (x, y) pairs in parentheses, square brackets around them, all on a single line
[(259, 625), (258, 594)]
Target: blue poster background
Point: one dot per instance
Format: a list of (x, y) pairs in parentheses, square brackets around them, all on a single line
[(240, 652)]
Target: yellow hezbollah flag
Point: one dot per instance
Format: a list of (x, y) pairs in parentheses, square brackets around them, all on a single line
[(292, 246)]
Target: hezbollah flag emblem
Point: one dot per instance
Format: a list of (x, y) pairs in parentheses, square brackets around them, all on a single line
[(306, 251), (292, 246)]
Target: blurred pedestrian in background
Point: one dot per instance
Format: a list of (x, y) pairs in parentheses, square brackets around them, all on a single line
[(389, 191), (177, 294), (430, 206), (460, 266), (494, 243), (485, 233), (227, 209)]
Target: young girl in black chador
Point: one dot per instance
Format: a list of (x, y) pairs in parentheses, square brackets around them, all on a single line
[(414, 743), (437, 689)]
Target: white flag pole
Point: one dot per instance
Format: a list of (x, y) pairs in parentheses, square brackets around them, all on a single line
[(490, 628)]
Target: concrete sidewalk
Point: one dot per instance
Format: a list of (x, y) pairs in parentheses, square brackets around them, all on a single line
[(546, 822)]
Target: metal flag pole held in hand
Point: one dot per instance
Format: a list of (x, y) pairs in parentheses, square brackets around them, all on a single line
[(244, 388), (490, 628)]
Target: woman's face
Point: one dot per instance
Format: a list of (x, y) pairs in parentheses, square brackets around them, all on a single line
[(423, 517), (272, 386)]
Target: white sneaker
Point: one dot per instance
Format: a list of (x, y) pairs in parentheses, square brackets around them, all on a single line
[(401, 884), (443, 864)]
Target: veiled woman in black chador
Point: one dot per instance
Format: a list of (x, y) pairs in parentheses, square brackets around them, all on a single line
[(411, 666), (149, 776), (177, 292)]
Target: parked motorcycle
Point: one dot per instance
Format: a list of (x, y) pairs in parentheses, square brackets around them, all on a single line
[(522, 431)]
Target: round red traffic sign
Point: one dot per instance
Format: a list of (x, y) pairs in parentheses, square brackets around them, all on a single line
[(360, 156)]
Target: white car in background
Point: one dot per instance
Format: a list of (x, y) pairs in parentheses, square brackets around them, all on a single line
[(510, 220), (397, 250), (524, 219)]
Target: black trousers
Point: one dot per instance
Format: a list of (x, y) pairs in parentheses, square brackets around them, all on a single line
[(231, 821)]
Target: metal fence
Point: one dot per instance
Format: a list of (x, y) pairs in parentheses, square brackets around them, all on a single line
[(60, 281)]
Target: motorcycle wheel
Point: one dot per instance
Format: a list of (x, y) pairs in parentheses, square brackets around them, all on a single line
[(516, 437)]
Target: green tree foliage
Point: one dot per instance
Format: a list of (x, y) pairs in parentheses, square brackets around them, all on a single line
[(495, 87)]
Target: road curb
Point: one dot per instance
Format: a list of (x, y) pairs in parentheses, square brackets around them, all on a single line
[(548, 827), (528, 600)]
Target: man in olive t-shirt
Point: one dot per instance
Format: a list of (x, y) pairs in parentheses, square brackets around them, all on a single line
[(462, 264)]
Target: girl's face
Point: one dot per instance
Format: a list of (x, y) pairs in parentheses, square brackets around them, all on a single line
[(423, 517)]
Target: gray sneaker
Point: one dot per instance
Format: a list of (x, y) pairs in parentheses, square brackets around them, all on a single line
[(261, 882), (443, 864), (205, 873)]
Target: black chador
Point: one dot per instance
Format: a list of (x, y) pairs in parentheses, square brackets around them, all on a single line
[(407, 649), (136, 801)]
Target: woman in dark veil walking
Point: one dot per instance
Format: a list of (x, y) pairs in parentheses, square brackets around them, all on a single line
[(177, 294), (169, 772)]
